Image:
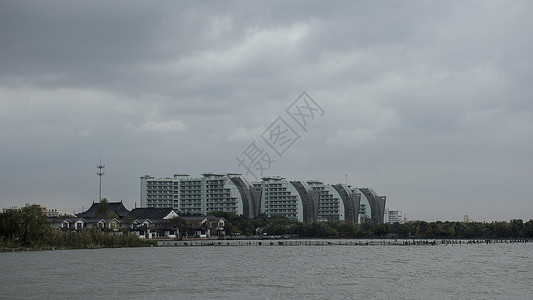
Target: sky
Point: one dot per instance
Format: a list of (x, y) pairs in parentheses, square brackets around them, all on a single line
[(427, 102)]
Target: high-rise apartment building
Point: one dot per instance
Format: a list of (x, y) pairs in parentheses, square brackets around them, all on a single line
[(211, 192), (337, 202), (309, 201), (374, 204)]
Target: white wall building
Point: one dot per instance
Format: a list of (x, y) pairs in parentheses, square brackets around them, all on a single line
[(302, 201), (394, 216), (211, 192)]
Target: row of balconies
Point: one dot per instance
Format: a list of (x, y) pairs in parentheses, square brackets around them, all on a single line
[(190, 186), (159, 198), (217, 200), (185, 205), (149, 188), (273, 185), (221, 202), (159, 183), (217, 196), (280, 199), (280, 206), (325, 206), (329, 212), (190, 200), (221, 207), (165, 203), (217, 209), (275, 211), (159, 193)]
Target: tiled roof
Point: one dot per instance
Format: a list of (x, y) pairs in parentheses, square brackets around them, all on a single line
[(149, 213), (113, 207)]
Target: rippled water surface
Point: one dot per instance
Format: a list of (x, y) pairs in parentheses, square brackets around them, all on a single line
[(273, 272)]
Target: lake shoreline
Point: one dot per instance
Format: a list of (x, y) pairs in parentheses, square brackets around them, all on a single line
[(191, 242)]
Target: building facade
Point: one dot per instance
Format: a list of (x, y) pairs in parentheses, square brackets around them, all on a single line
[(337, 203), (211, 192), (304, 201), (293, 199), (394, 216), (279, 197), (374, 205), (331, 207)]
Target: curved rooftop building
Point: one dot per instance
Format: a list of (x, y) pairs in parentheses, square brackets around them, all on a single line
[(309, 201), (330, 207), (250, 202), (350, 200), (337, 203), (294, 199), (279, 197), (376, 204)]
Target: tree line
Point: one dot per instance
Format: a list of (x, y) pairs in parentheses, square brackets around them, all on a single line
[(29, 228), (281, 225)]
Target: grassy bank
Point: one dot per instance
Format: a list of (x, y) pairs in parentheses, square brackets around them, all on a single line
[(86, 239)]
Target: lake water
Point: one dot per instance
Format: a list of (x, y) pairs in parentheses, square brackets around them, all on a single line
[(273, 272)]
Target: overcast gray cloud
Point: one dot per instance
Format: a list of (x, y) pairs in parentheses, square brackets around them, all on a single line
[(429, 102)]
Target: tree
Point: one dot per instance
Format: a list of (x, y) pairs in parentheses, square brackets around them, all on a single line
[(278, 225), (528, 229), (501, 229), (403, 230), (517, 228), (241, 224), (179, 223), (230, 229), (27, 226), (10, 224), (381, 230), (35, 225), (451, 231), (367, 230), (103, 207), (348, 229)]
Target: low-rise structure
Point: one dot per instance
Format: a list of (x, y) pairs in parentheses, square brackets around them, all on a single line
[(153, 222), (206, 226)]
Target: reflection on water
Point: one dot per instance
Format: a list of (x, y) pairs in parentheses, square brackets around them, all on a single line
[(233, 272)]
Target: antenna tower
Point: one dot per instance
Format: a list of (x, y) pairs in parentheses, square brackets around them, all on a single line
[(100, 172)]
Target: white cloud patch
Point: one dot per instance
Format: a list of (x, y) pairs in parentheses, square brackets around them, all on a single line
[(160, 126), (245, 134)]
